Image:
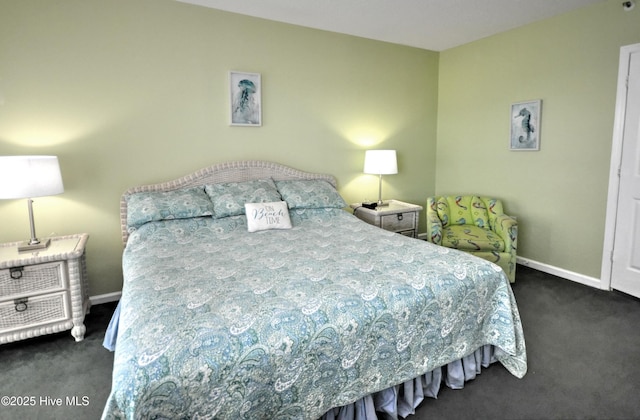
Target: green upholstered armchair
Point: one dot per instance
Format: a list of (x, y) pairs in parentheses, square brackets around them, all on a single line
[(476, 225)]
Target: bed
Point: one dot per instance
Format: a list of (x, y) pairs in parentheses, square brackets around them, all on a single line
[(289, 307)]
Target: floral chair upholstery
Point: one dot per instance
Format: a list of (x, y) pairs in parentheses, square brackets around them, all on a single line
[(476, 225)]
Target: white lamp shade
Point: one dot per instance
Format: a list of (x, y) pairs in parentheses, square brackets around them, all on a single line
[(29, 176), (380, 162)]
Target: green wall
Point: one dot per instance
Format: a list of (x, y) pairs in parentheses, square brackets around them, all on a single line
[(558, 193), (127, 92)]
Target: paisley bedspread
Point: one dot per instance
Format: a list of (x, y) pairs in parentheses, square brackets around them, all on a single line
[(217, 322)]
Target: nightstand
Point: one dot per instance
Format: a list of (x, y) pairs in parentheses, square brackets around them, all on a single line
[(44, 291), (398, 216)]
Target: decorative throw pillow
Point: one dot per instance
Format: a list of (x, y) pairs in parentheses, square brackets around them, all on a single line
[(264, 216), (151, 206), (229, 198), (310, 194)]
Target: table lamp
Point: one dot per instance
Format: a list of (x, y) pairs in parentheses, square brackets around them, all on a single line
[(380, 162), (29, 177)]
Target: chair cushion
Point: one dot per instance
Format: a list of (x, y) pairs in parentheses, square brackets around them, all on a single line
[(471, 238)]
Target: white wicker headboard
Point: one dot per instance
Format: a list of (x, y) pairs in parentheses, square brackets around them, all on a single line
[(223, 172)]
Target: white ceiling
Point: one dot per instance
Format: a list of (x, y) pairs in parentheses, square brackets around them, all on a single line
[(429, 24)]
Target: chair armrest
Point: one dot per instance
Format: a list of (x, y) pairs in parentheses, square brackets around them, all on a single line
[(507, 228), (434, 224)]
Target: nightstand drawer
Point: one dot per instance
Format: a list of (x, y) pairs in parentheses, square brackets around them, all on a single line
[(32, 279), (398, 222), (28, 312)]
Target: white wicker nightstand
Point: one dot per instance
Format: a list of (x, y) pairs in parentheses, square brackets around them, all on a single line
[(44, 291), (398, 216)]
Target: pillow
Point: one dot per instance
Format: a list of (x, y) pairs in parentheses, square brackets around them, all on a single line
[(151, 206), (229, 198), (310, 194), (264, 216)]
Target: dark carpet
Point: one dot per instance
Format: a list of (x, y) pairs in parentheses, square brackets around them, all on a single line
[(583, 348), (55, 377)]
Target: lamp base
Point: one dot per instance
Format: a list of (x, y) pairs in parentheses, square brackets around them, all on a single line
[(26, 246)]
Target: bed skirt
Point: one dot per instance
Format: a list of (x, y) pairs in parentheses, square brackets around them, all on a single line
[(402, 400), (399, 401)]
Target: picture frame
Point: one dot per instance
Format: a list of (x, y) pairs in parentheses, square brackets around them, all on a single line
[(525, 126), (245, 99)]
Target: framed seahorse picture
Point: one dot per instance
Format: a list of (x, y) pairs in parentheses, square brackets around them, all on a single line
[(245, 92), (525, 125)]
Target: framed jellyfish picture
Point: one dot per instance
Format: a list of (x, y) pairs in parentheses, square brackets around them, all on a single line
[(525, 125), (245, 91)]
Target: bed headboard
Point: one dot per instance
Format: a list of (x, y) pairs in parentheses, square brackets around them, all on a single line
[(237, 171)]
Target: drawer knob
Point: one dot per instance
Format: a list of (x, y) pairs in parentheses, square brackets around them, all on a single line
[(21, 304), (400, 216), (16, 272)]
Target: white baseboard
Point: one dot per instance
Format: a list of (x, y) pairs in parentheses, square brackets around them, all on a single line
[(107, 297), (561, 272), (550, 269)]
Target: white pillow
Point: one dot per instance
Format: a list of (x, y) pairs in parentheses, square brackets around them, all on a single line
[(263, 216)]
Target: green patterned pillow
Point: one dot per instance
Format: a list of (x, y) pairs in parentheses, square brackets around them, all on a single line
[(468, 210), (310, 194), (479, 213)]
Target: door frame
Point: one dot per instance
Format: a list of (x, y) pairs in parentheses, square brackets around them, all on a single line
[(616, 161)]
